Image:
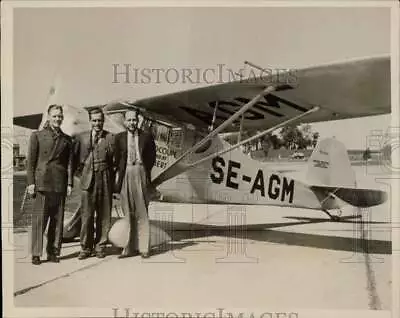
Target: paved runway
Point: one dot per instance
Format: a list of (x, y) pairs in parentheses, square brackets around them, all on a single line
[(285, 258)]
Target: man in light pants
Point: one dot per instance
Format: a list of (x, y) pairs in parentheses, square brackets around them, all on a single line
[(135, 155)]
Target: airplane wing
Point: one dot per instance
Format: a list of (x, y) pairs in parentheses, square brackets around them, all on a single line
[(33, 121), (29, 121), (343, 90)]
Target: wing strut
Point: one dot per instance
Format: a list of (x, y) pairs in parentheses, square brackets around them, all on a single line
[(166, 174), (264, 132), (241, 128), (214, 116)]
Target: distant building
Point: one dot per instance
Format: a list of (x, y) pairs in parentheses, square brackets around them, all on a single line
[(19, 161)]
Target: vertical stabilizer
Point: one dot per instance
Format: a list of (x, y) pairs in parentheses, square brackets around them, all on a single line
[(329, 165)]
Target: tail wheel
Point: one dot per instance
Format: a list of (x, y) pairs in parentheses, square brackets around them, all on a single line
[(334, 216)]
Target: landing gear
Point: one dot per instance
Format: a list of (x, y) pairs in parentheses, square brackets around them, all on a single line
[(334, 217)]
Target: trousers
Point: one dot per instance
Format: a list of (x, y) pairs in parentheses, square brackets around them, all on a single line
[(47, 207), (96, 210), (134, 203)]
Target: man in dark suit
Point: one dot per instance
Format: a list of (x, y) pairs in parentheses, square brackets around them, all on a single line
[(93, 153), (49, 176), (135, 155)]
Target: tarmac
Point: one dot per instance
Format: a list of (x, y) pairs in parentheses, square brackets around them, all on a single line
[(271, 258)]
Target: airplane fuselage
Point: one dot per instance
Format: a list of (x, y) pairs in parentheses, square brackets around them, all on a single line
[(231, 178)]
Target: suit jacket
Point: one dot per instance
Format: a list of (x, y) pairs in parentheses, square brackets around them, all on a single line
[(50, 161), (147, 150), (85, 150)]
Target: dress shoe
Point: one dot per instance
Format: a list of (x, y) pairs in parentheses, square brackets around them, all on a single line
[(145, 255), (83, 255), (130, 254), (100, 254), (36, 260), (53, 258), (124, 256)]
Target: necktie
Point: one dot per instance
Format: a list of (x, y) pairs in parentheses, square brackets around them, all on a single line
[(132, 149), (96, 138), (56, 133)]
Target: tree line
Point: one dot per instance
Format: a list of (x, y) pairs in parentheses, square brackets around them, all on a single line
[(289, 137)]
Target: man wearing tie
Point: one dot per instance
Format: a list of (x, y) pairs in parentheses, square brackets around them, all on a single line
[(135, 154), (94, 155), (49, 176)]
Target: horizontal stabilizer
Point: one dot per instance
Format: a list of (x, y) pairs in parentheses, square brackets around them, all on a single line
[(362, 198)]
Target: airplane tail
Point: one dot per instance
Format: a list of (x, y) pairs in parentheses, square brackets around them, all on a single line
[(331, 176)]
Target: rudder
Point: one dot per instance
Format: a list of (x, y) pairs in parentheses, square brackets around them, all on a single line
[(329, 165)]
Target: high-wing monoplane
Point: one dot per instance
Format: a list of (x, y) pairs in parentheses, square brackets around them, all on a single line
[(196, 165)]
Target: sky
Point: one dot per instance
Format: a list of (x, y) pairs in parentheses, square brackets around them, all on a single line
[(74, 50)]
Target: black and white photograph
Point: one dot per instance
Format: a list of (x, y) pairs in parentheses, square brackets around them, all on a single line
[(200, 161)]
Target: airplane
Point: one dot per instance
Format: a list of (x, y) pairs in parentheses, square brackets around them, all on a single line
[(196, 165)]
